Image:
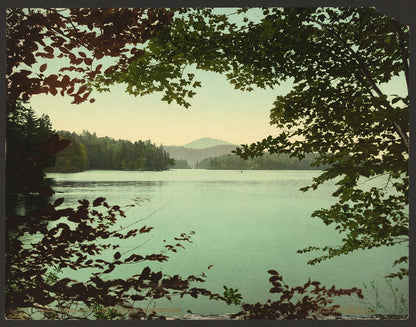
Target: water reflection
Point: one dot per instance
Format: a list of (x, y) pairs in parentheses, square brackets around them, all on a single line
[(245, 223), (21, 204), (95, 184)]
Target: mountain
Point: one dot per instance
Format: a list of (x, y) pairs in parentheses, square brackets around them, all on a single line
[(205, 142), (194, 155)]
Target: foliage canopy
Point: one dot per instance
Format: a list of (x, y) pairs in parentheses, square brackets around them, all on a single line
[(81, 35), (338, 60), (42, 241)]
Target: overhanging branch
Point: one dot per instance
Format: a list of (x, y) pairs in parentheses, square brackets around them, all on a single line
[(363, 68)]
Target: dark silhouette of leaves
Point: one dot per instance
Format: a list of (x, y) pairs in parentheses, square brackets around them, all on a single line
[(293, 305), (145, 230), (43, 68), (58, 202), (98, 201), (113, 32)]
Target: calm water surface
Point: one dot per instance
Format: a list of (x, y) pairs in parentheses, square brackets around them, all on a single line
[(245, 223)]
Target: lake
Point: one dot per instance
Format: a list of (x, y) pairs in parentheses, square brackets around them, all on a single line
[(245, 223)]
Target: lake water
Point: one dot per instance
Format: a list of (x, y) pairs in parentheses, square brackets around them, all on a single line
[(245, 223)]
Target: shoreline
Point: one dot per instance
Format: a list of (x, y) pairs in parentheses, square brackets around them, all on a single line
[(195, 316)]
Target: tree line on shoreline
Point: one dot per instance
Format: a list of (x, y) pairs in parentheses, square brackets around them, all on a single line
[(88, 151), (265, 162)]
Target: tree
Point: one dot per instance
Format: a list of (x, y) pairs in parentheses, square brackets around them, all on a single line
[(265, 162), (73, 158), (337, 58), (71, 237), (179, 164), (87, 151), (25, 132), (85, 37)]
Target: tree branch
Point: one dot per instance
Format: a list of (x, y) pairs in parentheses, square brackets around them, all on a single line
[(363, 68), (404, 54)]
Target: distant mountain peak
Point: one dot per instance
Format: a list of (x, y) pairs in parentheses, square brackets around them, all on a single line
[(205, 142)]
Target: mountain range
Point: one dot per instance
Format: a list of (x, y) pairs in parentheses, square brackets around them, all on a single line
[(205, 142), (200, 149)]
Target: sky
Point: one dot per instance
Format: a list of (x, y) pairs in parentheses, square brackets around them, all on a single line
[(217, 111)]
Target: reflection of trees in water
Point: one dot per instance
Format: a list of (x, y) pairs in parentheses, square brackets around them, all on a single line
[(21, 204)]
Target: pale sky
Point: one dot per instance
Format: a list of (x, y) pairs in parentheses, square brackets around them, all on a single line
[(217, 111)]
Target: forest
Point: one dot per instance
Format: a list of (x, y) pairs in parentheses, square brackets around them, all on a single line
[(87, 151), (265, 162)]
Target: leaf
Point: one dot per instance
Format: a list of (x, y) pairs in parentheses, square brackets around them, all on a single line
[(88, 61), (43, 68), (145, 230), (110, 268), (276, 289), (58, 202), (137, 297), (84, 202), (45, 191), (44, 299), (62, 144), (54, 139), (145, 273), (108, 70), (156, 277), (53, 90), (98, 201), (275, 278), (396, 100)]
